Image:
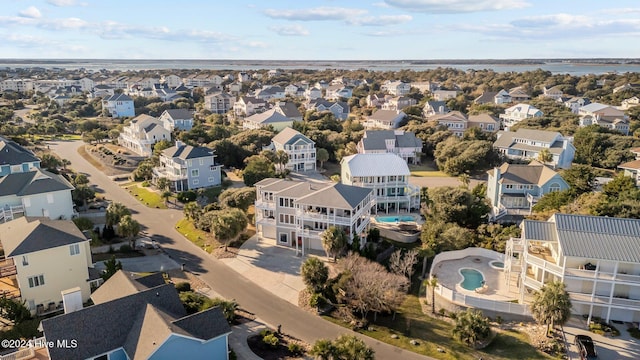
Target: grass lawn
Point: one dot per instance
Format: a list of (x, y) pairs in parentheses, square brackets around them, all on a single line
[(196, 236), (433, 333), (426, 170), (148, 197), (212, 193)]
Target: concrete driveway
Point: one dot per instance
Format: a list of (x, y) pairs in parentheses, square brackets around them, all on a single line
[(620, 347)]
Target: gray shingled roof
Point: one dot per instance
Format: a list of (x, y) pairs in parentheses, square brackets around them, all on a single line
[(13, 154), (507, 138), (599, 237), (179, 114), (375, 139), (32, 182), (124, 283), (105, 327), (290, 136), (533, 173), (337, 196), (386, 115), (119, 97), (187, 152), (21, 236), (267, 117), (289, 109)]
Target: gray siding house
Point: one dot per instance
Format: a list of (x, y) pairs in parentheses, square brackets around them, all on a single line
[(15, 159), (188, 167)]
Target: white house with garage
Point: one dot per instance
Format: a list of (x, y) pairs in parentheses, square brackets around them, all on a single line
[(300, 149)]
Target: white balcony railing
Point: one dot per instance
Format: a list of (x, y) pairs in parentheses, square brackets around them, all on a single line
[(167, 173), (342, 220), (541, 263), (604, 300)]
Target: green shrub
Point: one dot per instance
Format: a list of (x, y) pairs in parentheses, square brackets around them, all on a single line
[(187, 196), (295, 349), (83, 223), (265, 332), (126, 248), (634, 332), (271, 340), (442, 311), (183, 286), (146, 183)]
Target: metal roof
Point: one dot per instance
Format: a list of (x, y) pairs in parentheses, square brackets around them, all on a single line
[(376, 164), (539, 230), (376, 139)]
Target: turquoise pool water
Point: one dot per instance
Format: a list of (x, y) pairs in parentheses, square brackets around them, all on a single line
[(392, 219), (497, 264), (473, 279)]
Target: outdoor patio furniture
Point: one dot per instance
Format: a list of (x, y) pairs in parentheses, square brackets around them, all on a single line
[(482, 289)]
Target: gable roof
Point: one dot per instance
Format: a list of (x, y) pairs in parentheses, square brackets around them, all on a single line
[(376, 164), (22, 236), (288, 109), (184, 152), (32, 182), (631, 165), (532, 173), (267, 117), (290, 136), (523, 108), (124, 283), (339, 196), (386, 115), (179, 114), (486, 97), (482, 118), (376, 139), (11, 153), (507, 138), (119, 97)]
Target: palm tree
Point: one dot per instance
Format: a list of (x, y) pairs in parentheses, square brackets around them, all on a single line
[(433, 282), (115, 212), (464, 179), (471, 326), (281, 158), (322, 155), (192, 210), (228, 224), (65, 163), (165, 196), (129, 228), (323, 349), (551, 305), (334, 241), (314, 273), (163, 184), (352, 347)]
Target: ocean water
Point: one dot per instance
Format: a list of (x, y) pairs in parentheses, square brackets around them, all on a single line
[(573, 67)]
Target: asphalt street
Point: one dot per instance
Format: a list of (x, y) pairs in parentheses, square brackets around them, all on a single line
[(269, 308)]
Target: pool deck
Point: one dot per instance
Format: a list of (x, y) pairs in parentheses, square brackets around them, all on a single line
[(449, 276)]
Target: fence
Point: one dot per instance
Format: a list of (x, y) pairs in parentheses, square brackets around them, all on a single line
[(474, 301)]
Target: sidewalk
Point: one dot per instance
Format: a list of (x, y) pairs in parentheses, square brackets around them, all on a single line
[(274, 268), (238, 339)]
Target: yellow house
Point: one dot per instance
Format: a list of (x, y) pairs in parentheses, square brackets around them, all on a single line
[(48, 257)]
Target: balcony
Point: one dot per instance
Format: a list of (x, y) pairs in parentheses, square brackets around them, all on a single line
[(8, 213), (267, 221), (604, 300), (167, 173), (318, 216), (265, 205), (542, 261), (532, 283)]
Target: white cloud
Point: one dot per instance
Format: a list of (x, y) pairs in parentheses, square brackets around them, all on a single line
[(457, 6), (555, 20), (315, 14), (289, 30), (382, 20), (381, 4), (62, 3), (31, 12)]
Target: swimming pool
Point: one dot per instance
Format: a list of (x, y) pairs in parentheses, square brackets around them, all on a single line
[(472, 279), (392, 219), (498, 265)]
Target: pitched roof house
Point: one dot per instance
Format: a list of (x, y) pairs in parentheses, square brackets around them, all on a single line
[(397, 88), (605, 116), (387, 175), (142, 133), (435, 108), (181, 119), (270, 117), (288, 109), (398, 103), (581, 251), (512, 189), (296, 212), (553, 92), (247, 106), (339, 109), (143, 321), (402, 143), (337, 92), (46, 257), (35, 193), (517, 113), (188, 167), (219, 102), (14, 158), (300, 149), (384, 119), (119, 105), (526, 144)]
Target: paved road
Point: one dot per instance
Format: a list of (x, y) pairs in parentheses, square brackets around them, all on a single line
[(222, 280)]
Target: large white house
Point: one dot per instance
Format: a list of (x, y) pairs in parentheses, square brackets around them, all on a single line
[(43, 259), (384, 119), (300, 149), (247, 106), (397, 88), (596, 257), (402, 143), (187, 167), (526, 144), (268, 118), (387, 175), (142, 133), (605, 116), (180, 119), (219, 103), (517, 113), (35, 193), (119, 105), (296, 212)]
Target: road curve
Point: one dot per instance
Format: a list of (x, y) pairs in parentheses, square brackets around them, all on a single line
[(220, 278)]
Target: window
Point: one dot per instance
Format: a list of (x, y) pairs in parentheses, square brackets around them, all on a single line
[(49, 198), (74, 249), (212, 167), (201, 161), (25, 260), (554, 187), (196, 182), (37, 280), (210, 179), (509, 186), (195, 172)]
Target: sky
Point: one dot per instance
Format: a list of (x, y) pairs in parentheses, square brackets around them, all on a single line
[(319, 29)]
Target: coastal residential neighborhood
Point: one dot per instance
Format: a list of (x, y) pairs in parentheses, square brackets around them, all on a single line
[(334, 214)]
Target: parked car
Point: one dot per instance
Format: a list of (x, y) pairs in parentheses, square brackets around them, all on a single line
[(586, 348)]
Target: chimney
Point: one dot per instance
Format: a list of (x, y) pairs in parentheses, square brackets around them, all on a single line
[(179, 143)]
